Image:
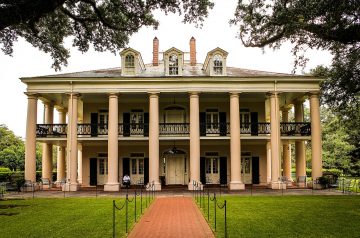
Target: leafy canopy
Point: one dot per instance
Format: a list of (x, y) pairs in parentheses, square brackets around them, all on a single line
[(106, 24)]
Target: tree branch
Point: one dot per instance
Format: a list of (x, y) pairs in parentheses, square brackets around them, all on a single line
[(24, 11)]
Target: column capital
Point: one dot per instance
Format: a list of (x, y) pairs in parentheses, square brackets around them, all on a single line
[(113, 95), (31, 95), (153, 94), (313, 94), (273, 94), (234, 94), (194, 94), (48, 103), (74, 94)]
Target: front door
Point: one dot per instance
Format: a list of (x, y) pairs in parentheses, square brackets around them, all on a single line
[(93, 171), (175, 169), (246, 169)]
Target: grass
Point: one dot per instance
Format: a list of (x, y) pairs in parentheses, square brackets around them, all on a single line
[(64, 217), (288, 216)]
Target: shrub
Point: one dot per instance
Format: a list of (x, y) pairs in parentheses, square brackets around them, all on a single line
[(4, 169)]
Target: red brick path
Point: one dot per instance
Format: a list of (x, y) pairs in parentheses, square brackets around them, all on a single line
[(172, 217)]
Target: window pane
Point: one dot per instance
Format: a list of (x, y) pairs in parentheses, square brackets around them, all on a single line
[(133, 166), (101, 166), (218, 65), (129, 61), (215, 165), (208, 165), (141, 166), (173, 65)]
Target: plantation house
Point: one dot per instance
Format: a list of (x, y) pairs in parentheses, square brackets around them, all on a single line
[(173, 121)]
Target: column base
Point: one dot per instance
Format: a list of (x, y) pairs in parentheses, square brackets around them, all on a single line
[(191, 186), (277, 185), (157, 187), (72, 187), (236, 185), (301, 185), (112, 187)]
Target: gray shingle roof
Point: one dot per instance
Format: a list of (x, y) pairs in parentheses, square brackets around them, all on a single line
[(159, 71)]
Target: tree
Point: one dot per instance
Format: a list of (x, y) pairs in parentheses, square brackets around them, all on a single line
[(12, 150), (332, 25), (336, 146), (106, 24)]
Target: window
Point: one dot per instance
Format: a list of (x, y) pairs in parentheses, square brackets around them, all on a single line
[(212, 121), (173, 65), (212, 162), (103, 166), (215, 166), (129, 61), (208, 166), (141, 166), (133, 166), (218, 65), (137, 119)]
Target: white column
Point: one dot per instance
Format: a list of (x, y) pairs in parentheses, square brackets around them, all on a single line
[(300, 158), (72, 144), (30, 140), (316, 150), (80, 167), (154, 140), (268, 162), (113, 145), (235, 146), (47, 153), (275, 140), (61, 151), (194, 139)]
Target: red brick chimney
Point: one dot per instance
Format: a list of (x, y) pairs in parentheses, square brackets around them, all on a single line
[(155, 51), (192, 51)]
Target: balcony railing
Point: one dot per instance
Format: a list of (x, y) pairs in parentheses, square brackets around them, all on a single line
[(174, 129), (51, 130), (255, 128), (220, 128), (295, 128)]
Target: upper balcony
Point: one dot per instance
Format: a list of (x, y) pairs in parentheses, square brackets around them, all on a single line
[(173, 129)]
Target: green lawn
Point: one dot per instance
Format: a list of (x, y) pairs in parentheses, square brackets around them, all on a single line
[(288, 216), (63, 217)]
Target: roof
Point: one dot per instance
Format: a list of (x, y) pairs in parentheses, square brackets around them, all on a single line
[(159, 71)]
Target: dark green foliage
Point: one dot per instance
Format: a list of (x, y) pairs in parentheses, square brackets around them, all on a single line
[(331, 25), (107, 25)]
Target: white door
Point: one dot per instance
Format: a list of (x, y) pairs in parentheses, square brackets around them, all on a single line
[(246, 170), (245, 122), (175, 170)]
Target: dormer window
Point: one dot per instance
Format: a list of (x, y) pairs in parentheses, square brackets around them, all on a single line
[(129, 61), (218, 65), (215, 62), (173, 65)]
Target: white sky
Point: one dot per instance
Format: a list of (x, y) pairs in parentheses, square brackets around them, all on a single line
[(216, 32)]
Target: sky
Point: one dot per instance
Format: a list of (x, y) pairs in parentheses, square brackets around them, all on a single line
[(216, 32)]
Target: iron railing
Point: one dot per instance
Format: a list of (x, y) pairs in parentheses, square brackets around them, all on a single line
[(174, 128), (255, 128), (171, 129), (295, 128), (51, 130)]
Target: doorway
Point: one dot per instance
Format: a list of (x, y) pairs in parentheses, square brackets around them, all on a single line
[(175, 169), (93, 171)]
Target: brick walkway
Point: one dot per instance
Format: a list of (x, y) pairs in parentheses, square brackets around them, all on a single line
[(172, 217)]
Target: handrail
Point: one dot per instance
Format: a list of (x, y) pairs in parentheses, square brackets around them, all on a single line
[(171, 129)]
